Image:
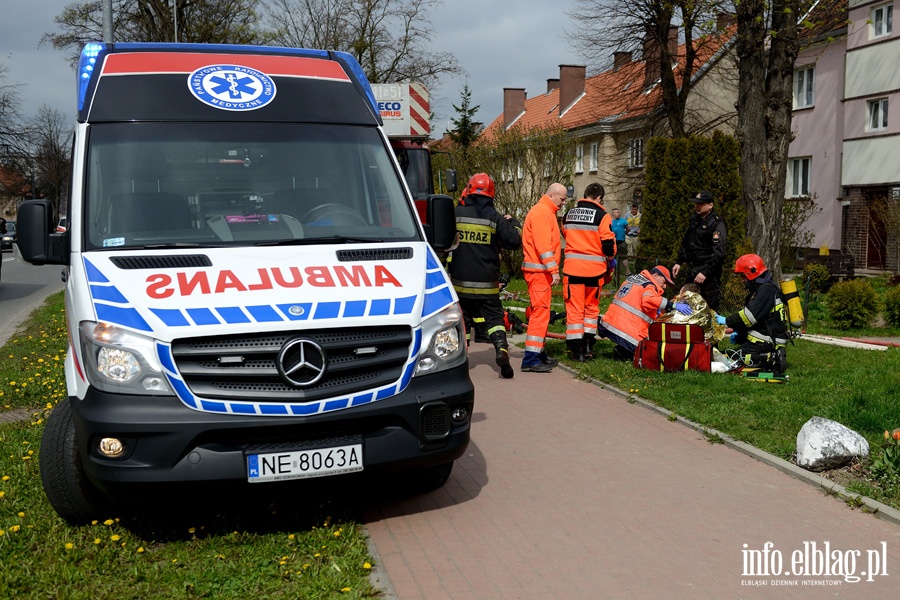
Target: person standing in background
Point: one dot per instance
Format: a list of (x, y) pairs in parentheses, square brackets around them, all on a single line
[(589, 257), (618, 226), (632, 230), (703, 248), (541, 248)]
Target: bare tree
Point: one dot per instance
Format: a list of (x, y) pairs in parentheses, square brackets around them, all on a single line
[(606, 27), (10, 118), (50, 133), (199, 21), (389, 38), (767, 47)]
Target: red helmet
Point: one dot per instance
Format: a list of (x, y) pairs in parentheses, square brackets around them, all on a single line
[(481, 183), (750, 265)]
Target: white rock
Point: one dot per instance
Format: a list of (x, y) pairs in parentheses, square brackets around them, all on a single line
[(823, 444)]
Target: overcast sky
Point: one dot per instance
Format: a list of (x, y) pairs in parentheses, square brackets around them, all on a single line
[(500, 44)]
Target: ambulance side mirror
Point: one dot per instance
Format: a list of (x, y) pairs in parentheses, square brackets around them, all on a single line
[(36, 243), (440, 230)]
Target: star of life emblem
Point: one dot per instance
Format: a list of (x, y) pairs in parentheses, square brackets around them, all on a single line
[(231, 87)]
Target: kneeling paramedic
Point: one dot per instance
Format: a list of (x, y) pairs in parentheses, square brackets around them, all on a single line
[(760, 327), (474, 265)]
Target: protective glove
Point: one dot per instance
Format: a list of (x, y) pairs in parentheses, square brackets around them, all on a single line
[(612, 264), (733, 337), (683, 308), (720, 319)]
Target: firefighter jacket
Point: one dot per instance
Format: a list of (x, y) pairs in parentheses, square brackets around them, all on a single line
[(703, 245), (474, 265), (763, 320), (589, 239), (540, 238), (636, 304)]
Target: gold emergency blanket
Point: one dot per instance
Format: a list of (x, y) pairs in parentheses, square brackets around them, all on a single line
[(703, 316)]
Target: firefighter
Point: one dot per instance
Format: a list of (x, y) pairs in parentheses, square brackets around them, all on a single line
[(760, 327), (637, 303), (474, 265), (588, 263), (703, 248), (541, 247)]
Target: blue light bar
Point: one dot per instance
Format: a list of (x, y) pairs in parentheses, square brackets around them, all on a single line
[(89, 56)]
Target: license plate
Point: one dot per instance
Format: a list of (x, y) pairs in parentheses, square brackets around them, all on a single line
[(303, 464)]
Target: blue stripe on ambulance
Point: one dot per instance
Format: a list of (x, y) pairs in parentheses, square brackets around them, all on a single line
[(437, 286)]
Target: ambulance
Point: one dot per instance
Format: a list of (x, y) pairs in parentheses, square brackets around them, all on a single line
[(250, 295)]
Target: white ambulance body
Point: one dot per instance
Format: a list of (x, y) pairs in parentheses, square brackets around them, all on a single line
[(250, 294)]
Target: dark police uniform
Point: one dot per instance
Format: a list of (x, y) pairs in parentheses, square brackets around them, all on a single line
[(703, 247)]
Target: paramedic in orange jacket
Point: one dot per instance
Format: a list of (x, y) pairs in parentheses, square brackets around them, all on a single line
[(637, 304), (540, 244), (589, 259)]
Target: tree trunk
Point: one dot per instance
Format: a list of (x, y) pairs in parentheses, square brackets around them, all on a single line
[(765, 99)]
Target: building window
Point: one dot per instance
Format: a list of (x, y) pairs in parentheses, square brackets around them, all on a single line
[(799, 173), (520, 170), (595, 155), (579, 159), (636, 153), (882, 20), (805, 87), (878, 114)]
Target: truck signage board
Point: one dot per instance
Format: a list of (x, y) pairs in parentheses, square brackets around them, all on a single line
[(404, 108)]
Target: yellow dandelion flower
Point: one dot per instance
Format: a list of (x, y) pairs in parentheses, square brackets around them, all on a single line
[(282, 562), (291, 536), (2, 533), (192, 530), (174, 560), (96, 540), (14, 528), (26, 458), (317, 555), (2, 494), (367, 566), (20, 514), (115, 537), (220, 556), (123, 544), (5, 478), (108, 522), (94, 522), (345, 590), (337, 533), (69, 545), (140, 550)]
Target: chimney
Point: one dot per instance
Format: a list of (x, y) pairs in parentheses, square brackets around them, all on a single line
[(571, 85), (725, 20), (513, 105), (620, 59), (552, 84)]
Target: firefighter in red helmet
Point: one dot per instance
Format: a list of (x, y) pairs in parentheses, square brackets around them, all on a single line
[(760, 327), (474, 265)]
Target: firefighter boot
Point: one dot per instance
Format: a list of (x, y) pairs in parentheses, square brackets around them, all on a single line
[(589, 340), (779, 361), (501, 347), (576, 349)]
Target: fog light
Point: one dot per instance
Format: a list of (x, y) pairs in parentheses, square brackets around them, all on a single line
[(460, 414), (111, 447)]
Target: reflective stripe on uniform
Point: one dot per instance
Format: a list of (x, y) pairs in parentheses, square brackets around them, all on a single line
[(620, 333), (630, 309), (588, 257)]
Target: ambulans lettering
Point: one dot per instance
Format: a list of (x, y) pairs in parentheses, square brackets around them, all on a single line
[(164, 285)]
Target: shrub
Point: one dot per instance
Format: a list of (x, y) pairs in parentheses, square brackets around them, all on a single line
[(817, 277), (892, 306), (886, 463), (852, 304)]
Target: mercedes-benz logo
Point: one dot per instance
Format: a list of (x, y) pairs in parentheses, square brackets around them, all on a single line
[(301, 362)]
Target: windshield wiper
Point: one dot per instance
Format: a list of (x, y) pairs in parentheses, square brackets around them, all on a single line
[(175, 245), (331, 239)]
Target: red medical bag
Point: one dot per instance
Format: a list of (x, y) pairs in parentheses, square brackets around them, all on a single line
[(673, 347)]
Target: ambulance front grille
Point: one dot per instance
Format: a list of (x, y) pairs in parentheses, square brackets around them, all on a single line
[(245, 367)]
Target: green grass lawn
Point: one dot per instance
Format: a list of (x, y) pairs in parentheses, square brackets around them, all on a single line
[(286, 547)]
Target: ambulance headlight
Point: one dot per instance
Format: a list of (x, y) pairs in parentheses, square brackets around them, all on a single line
[(120, 361), (443, 342)]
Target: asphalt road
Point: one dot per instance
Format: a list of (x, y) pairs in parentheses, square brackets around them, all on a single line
[(23, 287)]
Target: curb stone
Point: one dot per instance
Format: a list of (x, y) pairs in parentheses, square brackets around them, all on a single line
[(882, 511)]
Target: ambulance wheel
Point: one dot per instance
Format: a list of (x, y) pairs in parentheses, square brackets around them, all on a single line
[(67, 487), (339, 214), (432, 478)]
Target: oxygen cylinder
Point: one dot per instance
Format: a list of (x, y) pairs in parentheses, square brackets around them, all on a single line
[(792, 299)]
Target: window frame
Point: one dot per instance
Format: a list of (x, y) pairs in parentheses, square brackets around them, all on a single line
[(636, 153), (594, 160), (877, 109), (804, 163), (807, 76), (886, 21), (579, 158)]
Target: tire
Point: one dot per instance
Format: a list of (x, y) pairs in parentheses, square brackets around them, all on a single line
[(432, 478), (67, 487)]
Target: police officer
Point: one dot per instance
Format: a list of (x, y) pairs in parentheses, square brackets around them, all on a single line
[(703, 248), (474, 265)]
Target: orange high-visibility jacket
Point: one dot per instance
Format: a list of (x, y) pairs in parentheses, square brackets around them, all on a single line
[(636, 304), (589, 239), (540, 237)]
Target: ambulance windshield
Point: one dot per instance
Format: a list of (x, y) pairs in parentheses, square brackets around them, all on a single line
[(197, 184)]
